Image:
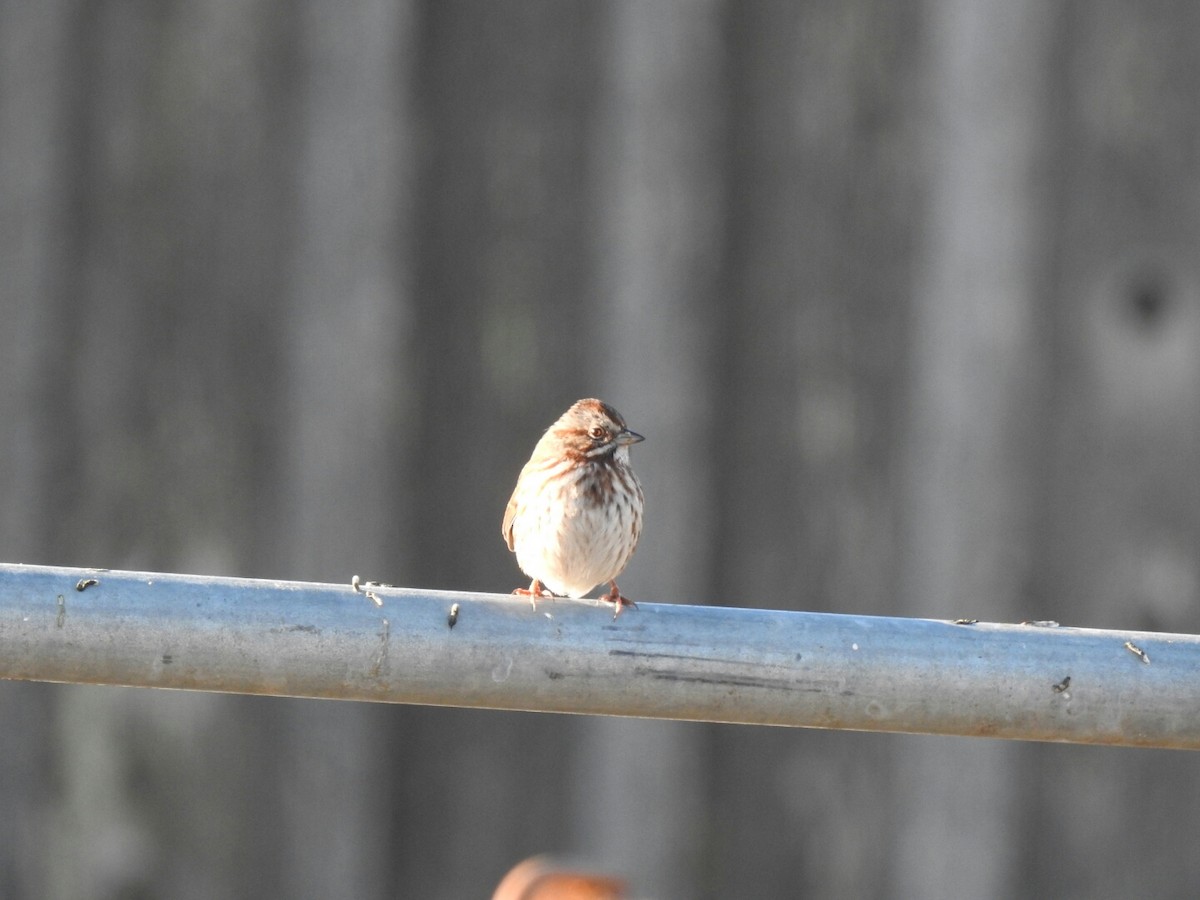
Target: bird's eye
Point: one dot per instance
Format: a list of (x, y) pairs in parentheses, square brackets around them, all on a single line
[(597, 432)]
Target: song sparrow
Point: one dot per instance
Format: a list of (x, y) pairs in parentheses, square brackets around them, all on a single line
[(576, 514)]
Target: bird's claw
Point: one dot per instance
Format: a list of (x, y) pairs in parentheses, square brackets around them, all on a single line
[(534, 591), (619, 600)]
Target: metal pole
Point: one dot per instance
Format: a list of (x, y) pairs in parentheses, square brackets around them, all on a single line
[(661, 660)]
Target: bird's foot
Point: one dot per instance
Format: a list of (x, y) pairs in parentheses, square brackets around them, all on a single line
[(534, 591), (615, 597)]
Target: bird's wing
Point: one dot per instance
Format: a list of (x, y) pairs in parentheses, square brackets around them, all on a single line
[(506, 529)]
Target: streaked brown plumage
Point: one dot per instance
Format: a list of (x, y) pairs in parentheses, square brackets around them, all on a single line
[(575, 516)]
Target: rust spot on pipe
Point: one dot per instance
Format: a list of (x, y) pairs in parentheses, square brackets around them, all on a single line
[(382, 652)]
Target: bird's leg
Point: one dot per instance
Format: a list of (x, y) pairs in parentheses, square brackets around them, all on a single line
[(534, 591), (615, 596)]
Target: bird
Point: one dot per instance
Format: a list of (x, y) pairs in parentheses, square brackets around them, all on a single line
[(575, 516)]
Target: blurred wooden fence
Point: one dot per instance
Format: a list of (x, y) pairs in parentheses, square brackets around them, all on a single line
[(904, 297)]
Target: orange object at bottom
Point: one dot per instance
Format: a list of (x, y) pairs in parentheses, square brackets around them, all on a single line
[(544, 878)]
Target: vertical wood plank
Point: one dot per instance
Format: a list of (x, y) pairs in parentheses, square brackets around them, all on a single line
[(153, 375), (815, 280), (974, 439), (35, 187), (656, 162), (503, 99), (346, 330), (1122, 515)]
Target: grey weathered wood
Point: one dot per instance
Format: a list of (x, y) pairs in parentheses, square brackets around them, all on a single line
[(35, 69), (656, 187), (1122, 504), (349, 349), (809, 411), (502, 114), (973, 438), (169, 236)]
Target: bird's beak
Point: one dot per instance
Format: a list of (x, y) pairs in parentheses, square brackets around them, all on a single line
[(628, 437)]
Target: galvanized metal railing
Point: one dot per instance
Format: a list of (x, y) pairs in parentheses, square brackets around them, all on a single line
[(1029, 682)]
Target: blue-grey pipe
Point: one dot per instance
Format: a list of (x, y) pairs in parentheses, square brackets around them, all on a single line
[(659, 660)]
